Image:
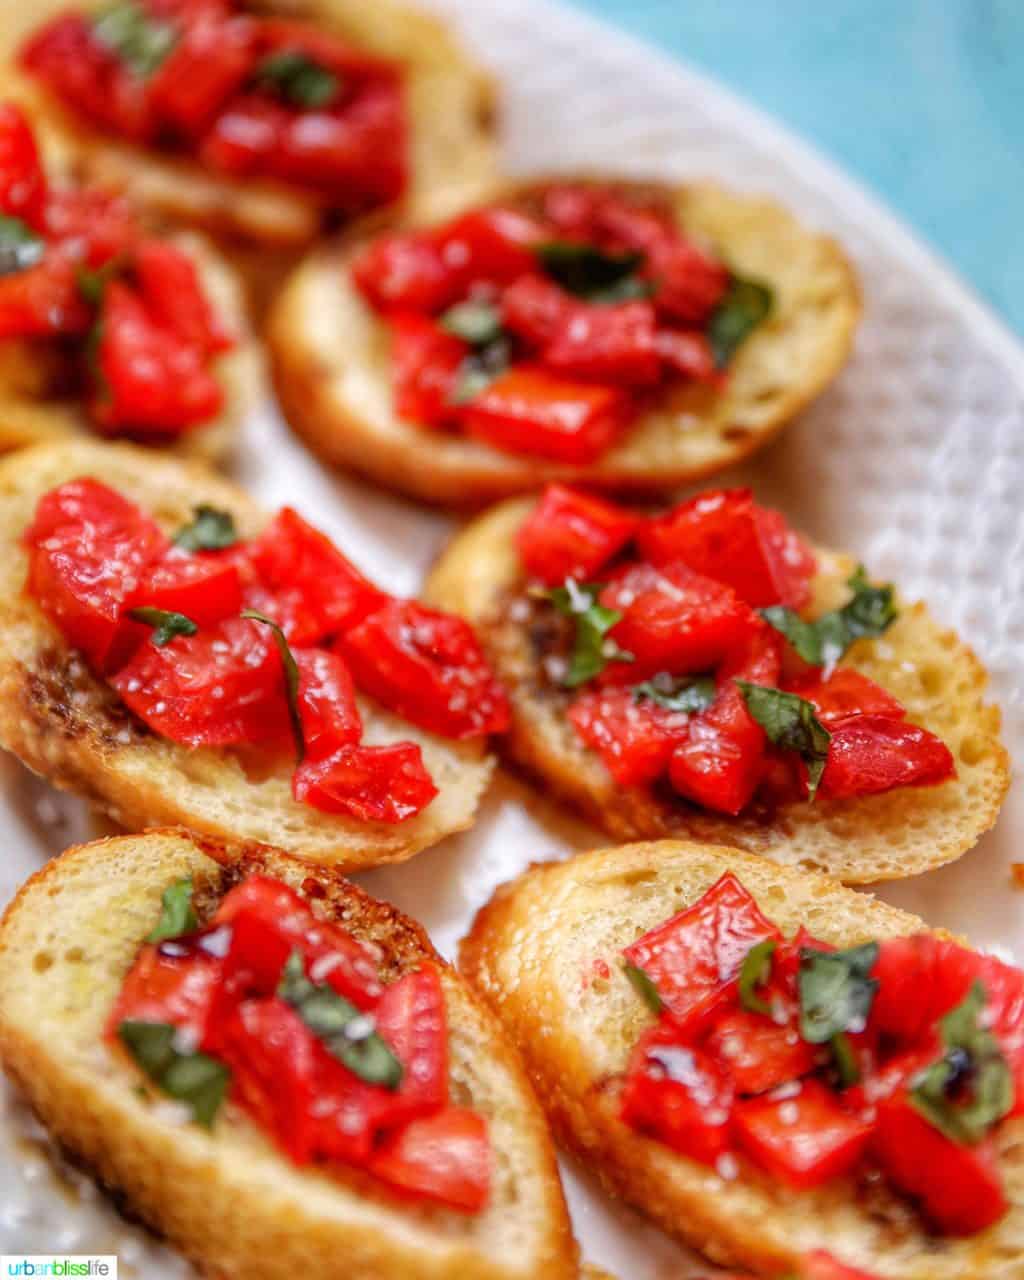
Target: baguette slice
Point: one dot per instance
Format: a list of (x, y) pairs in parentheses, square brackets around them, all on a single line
[(330, 359), (886, 837), (72, 728), (533, 953), (227, 1198), (451, 109), (30, 414)]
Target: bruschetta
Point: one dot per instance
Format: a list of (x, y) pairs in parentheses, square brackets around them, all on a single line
[(707, 673), (106, 327), (258, 119), (176, 657), (274, 1070), (766, 1063), (630, 336)]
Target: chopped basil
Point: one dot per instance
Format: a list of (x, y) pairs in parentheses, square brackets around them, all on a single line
[(790, 723), (592, 273), (139, 40), (746, 304), (20, 247), (592, 651), (291, 678), (166, 623), (209, 530), (690, 694), (970, 1088), (823, 642), (479, 369), (176, 914), (92, 282), (298, 79), (756, 968), (844, 1060), (836, 995), (644, 987), (195, 1079), (347, 1033), (478, 323)]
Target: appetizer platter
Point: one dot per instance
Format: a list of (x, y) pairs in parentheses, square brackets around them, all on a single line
[(315, 949)]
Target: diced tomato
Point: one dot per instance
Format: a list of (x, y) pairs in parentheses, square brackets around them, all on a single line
[(846, 693), (92, 227), (569, 534), (679, 1095), (372, 784), (427, 667), (411, 1018), (757, 1052), (206, 589), (222, 686), (444, 1157), (606, 344), (22, 181), (673, 620), (694, 958), (170, 984), (910, 996), (534, 308), (425, 363), (871, 754), (88, 548), (689, 283), (804, 1140), (327, 703), (635, 739), (688, 353), (492, 245), (290, 555), (43, 301), (174, 296), (725, 535), (210, 62), (405, 271), (531, 411)]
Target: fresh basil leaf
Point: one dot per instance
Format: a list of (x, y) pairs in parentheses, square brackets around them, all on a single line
[(480, 368), (139, 40), (20, 247), (844, 1060), (790, 723), (836, 991), (166, 623), (347, 1033), (209, 530), (756, 969), (746, 304), (298, 79), (592, 651), (176, 914), (199, 1081), (475, 322), (291, 678), (970, 1089), (591, 273), (92, 281), (870, 612), (644, 987), (690, 694)]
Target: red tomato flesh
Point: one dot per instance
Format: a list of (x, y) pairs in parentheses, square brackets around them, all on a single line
[(872, 754), (846, 693), (373, 784), (23, 190), (569, 534), (758, 1053), (444, 1157), (635, 739), (425, 362)]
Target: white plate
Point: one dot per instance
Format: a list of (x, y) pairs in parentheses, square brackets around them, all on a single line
[(915, 461)]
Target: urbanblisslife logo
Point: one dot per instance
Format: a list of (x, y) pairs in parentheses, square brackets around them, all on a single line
[(43, 1266)]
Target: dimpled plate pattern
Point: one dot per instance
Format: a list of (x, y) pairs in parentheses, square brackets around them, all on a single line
[(915, 460)]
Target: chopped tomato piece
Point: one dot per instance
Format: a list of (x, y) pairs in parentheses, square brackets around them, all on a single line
[(174, 984), (405, 271), (327, 703), (444, 1157), (411, 1018), (173, 293), (635, 739), (613, 344), (694, 958), (688, 353), (492, 245), (43, 301), (427, 667), (570, 534), (846, 693), (689, 283), (373, 784), (871, 754), (425, 362), (804, 1140), (531, 411), (22, 181), (911, 994), (206, 589), (92, 227), (535, 309), (210, 62), (758, 1053)]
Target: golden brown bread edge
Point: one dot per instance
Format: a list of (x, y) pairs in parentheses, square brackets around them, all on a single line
[(227, 1198), (537, 951), (72, 729), (905, 832), (329, 359)]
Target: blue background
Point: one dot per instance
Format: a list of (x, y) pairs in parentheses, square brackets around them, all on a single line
[(923, 100)]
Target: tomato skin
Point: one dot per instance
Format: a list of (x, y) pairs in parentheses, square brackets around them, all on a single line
[(43, 301), (209, 63), (327, 703), (23, 189), (606, 344), (846, 693), (570, 534), (162, 987), (533, 412), (823, 1141), (872, 754), (687, 352), (411, 1018), (535, 309), (690, 284), (694, 958), (758, 1054), (634, 739), (405, 271), (206, 589), (444, 1157), (174, 296), (427, 667), (425, 365), (491, 245), (374, 784)]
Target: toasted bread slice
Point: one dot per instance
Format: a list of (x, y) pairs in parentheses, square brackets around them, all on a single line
[(31, 414), (534, 953), (330, 357), (886, 837), (451, 109), (71, 727), (227, 1198)]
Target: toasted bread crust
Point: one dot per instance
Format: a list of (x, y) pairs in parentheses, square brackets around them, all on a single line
[(902, 833), (329, 358), (72, 729), (536, 952), (227, 1198)]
